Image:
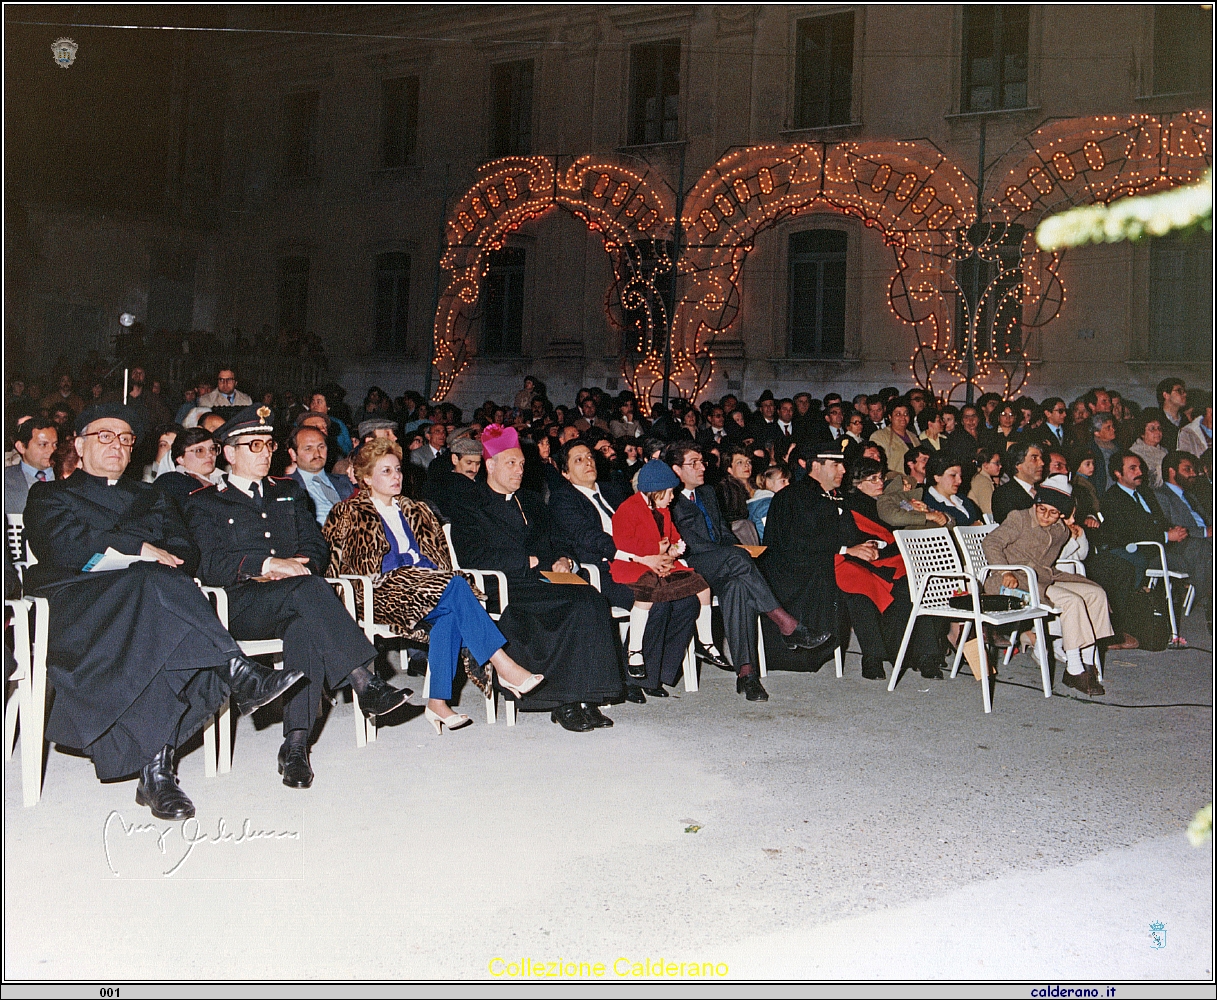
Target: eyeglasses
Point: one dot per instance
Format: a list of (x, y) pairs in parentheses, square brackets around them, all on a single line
[(203, 450), (257, 444), (127, 440), (695, 464), (221, 381)]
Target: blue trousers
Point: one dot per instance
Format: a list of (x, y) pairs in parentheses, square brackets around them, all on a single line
[(458, 620)]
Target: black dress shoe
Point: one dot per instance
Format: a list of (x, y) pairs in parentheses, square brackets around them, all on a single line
[(634, 665), (931, 670), (749, 685), (378, 698), (159, 791), (294, 765), (656, 692), (711, 654), (634, 694), (873, 671), (597, 718), (254, 685), (800, 638), (571, 717)]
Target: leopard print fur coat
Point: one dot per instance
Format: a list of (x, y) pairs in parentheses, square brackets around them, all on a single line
[(404, 596)]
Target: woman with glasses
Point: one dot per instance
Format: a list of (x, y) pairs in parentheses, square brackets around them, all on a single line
[(194, 464)]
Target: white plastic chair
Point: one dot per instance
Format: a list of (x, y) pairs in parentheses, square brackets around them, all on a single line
[(28, 703), (479, 576), (18, 548), (936, 574), (1167, 574)]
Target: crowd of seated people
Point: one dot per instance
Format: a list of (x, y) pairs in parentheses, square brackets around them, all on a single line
[(661, 508)]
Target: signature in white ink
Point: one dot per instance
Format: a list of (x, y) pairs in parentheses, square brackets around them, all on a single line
[(191, 834)]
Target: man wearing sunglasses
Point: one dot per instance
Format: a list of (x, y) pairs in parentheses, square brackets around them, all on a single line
[(137, 658), (260, 541)]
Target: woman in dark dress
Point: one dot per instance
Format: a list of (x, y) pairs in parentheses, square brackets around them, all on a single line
[(194, 462), (943, 478)]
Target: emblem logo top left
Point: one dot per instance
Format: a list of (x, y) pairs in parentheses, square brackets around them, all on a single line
[(64, 52)]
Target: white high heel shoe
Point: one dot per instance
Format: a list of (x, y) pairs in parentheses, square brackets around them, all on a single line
[(534, 680), (451, 721)]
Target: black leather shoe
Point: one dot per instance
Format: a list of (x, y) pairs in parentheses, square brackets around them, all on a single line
[(634, 665), (571, 717), (254, 685), (378, 698), (596, 717), (656, 692), (294, 765), (931, 670), (711, 654), (749, 685), (159, 791), (634, 694), (800, 638), (873, 671)]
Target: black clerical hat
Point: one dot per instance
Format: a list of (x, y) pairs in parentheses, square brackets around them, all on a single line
[(101, 411)]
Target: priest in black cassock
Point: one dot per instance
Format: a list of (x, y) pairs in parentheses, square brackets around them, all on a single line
[(563, 631), (137, 658)]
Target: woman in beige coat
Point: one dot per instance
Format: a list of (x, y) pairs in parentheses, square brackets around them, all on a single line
[(1035, 538)]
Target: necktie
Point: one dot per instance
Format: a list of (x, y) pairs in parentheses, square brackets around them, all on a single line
[(255, 489), (602, 504), (42, 476), (706, 514), (1141, 501), (327, 488)]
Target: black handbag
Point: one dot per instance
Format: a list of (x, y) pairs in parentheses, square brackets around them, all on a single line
[(989, 603)]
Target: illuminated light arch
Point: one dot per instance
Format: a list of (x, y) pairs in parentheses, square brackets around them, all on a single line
[(612, 195)]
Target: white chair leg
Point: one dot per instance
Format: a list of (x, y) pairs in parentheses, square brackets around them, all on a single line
[(490, 708), (1098, 662), (1189, 598), (33, 715), (839, 660), (904, 645), (224, 737), (963, 637), (690, 669), (1170, 608), (209, 748), (1042, 652), (760, 647), (984, 666), (509, 709), (1010, 649)]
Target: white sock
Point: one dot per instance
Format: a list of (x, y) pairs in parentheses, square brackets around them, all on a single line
[(1088, 654), (705, 635), (1073, 662), (638, 625)]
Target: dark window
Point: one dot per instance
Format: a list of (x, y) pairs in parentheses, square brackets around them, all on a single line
[(400, 120), (300, 125), (1181, 298), (995, 56), (824, 71), (511, 109), (293, 293), (999, 335), (392, 301), (503, 321), (1183, 48), (817, 293), (655, 92)]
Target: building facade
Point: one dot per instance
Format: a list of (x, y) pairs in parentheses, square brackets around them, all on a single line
[(349, 136)]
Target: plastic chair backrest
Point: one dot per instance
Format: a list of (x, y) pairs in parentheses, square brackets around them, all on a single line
[(932, 551), (451, 549), (972, 543), (14, 535)]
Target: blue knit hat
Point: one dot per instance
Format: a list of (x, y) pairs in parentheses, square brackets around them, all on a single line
[(657, 476)]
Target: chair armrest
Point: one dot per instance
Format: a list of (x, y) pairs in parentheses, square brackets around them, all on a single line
[(479, 577), (593, 574), (1033, 584), (1155, 545), (366, 593), (348, 593), (220, 596)]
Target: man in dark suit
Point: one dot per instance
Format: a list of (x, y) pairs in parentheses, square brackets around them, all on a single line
[(1051, 433), (36, 441), (712, 550), (714, 434), (581, 521), (260, 541), (1024, 464), (764, 424), (309, 451), (1132, 514), (137, 657)]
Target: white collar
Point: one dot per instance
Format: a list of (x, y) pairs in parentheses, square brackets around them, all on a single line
[(243, 484), (590, 494), (953, 500), (1027, 487)]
